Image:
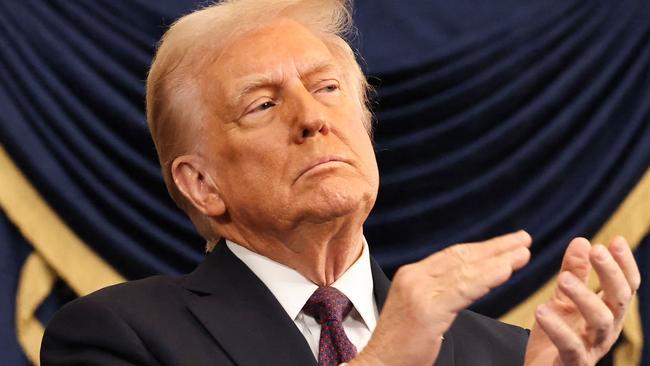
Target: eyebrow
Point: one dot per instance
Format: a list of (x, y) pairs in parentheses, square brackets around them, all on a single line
[(259, 81)]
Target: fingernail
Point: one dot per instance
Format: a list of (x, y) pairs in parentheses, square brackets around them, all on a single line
[(618, 246), (599, 253), (523, 235), (567, 280), (541, 310)]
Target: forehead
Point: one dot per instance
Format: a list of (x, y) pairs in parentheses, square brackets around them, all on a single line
[(280, 47)]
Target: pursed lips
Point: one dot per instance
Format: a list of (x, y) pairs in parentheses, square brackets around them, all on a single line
[(321, 161)]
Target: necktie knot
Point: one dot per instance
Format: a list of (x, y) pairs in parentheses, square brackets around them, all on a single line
[(327, 304)]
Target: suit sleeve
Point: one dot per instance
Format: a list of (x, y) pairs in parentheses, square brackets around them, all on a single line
[(479, 340), (88, 332)]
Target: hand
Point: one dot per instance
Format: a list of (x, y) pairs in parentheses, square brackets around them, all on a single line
[(577, 327), (426, 296)]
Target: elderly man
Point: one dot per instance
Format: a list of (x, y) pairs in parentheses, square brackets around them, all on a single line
[(258, 112)]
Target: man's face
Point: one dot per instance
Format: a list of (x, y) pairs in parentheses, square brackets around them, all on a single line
[(286, 139)]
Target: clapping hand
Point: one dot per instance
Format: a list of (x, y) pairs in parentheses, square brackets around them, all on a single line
[(577, 327)]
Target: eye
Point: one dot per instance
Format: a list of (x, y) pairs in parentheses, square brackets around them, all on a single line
[(265, 105), (329, 88), (262, 107)]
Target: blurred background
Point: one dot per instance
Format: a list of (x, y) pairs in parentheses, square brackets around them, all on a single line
[(490, 117)]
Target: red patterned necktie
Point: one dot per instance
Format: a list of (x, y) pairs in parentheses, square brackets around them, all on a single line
[(329, 307)]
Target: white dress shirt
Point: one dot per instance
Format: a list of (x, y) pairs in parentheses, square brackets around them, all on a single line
[(292, 290)]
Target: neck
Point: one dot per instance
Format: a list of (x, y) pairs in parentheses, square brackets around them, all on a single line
[(321, 252)]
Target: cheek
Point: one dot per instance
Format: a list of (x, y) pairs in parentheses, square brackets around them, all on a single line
[(365, 149), (356, 137), (355, 132), (370, 162), (256, 160)]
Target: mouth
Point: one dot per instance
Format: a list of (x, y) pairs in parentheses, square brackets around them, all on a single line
[(326, 160)]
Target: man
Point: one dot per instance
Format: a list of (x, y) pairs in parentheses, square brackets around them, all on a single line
[(258, 112)]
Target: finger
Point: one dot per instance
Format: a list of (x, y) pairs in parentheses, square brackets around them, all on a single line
[(469, 283), (616, 290), (495, 271), (622, 253), (570, 347), (478, 252), (506, 242), (598, 317), (518, 258), (576, 259)]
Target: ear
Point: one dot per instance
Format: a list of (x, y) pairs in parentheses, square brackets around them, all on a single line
[(190, 176)]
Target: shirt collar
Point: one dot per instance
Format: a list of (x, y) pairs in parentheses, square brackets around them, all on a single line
[(292, 289)]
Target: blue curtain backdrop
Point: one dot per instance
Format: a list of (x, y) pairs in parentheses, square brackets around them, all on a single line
[(490, 116)]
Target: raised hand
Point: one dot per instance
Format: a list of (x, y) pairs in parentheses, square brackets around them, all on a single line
[(577, 327), (426, 296)]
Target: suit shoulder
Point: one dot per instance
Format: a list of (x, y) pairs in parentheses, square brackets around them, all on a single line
[(123, 302), (101, 326), (149, 288)]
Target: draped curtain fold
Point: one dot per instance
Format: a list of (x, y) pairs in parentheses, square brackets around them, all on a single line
[(489, 118)]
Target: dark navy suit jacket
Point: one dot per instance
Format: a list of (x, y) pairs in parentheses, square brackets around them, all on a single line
[(222, 314)]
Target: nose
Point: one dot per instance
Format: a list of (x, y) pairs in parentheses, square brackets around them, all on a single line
[(310, 117)]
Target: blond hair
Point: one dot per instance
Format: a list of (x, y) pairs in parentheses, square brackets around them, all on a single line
[(175, 110)]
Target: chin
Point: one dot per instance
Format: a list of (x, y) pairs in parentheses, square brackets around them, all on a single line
[(332, 201)]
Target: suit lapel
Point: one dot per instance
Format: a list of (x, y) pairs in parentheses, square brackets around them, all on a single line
[(381, 283), (239, 311)]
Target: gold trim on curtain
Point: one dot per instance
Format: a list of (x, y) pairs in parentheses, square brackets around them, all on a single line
[(56, 247), (35, 284)]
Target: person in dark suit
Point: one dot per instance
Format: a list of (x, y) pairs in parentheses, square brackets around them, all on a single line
[(258, 111), (222, 314)]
